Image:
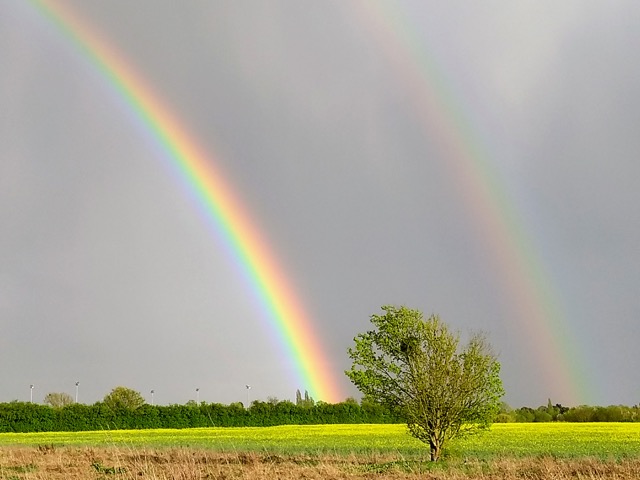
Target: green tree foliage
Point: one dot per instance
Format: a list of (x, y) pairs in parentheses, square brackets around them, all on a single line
[(307, 401), (417, 368), (525, 415), (123, 398), (548, 413), (505, 415), (612, 413), (541, 415), (26, 417), (58, 399)]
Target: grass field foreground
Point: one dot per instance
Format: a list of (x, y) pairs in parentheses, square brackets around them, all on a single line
[(558, 451), (129, 463)]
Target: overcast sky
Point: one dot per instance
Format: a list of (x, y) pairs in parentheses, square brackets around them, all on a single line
[(109, 274)]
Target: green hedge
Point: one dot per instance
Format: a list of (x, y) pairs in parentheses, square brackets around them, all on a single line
[(29, 417)]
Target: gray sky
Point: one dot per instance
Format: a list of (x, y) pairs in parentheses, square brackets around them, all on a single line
[(109, 274)]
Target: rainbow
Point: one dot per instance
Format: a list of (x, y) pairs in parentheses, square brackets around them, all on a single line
[(534, 304), (285, 313)]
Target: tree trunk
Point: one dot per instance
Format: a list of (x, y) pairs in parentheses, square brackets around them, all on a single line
[(435, 450)]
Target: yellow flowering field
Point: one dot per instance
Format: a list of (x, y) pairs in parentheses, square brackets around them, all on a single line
[(563, 440), (602, 440)]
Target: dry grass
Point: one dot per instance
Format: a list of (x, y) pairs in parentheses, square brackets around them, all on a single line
[(121, 463)]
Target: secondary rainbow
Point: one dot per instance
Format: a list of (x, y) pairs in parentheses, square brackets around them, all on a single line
[(294, 328), (534, 304)]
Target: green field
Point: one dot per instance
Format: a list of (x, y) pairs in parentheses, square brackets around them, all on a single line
[(561, 440)]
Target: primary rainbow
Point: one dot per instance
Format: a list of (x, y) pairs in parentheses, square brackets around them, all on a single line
[(534, 304), (287, 317)]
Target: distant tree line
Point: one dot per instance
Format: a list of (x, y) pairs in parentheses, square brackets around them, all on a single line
[(560, 413), (124, 408)]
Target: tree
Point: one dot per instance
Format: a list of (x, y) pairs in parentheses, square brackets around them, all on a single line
[(123, 398), (417, 369), (308, 400), (57, 399)]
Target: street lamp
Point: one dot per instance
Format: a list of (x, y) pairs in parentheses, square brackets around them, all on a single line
[(248, 388), (198, 396), (77, 384), (152, 392), (31, 397)]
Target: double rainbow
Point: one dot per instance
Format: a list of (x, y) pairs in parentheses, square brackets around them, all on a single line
[(535, 305)]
